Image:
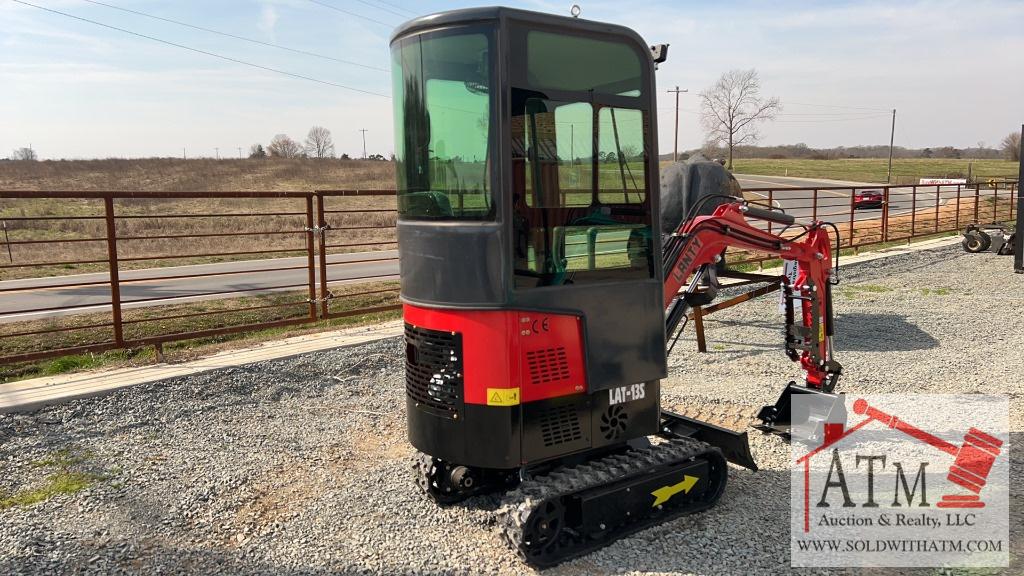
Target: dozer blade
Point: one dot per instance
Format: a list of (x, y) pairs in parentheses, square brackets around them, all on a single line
[(723, 428), (806, 419)]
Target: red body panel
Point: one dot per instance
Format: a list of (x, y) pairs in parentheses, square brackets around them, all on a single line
[(539, 353)]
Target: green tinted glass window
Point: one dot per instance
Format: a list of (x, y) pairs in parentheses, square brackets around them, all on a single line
[(620, 156), (569, 228), (581, 64), (559, 147), (442, 125)]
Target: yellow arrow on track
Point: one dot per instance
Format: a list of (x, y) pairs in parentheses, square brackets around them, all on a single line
[(661, 495)]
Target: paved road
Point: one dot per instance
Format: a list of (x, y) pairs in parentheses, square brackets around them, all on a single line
[(29, 299), (144, 286), (834, 205)]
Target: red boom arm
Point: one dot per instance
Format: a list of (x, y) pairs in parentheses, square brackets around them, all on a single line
[(700, 241)]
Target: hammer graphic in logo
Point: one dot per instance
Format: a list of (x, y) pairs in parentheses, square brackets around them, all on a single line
[(973, 460)]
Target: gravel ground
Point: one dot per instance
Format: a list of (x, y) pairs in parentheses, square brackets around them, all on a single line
[(301, 466)]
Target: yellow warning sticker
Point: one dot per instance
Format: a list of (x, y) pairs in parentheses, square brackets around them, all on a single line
[(502, 396)]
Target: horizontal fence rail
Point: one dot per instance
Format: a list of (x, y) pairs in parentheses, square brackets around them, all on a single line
[(87, 272), (905, 212)]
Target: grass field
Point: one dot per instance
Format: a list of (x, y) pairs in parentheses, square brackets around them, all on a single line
[(905, 171), (352, 231), (173, 175)]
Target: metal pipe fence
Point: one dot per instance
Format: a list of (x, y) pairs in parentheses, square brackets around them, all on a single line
[(152, 268), (95, 271), (905, 213)]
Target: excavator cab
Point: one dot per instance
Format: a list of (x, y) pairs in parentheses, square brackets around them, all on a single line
[(525, 153), (534, 280)]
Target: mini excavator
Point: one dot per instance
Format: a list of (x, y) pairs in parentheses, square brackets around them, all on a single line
[(540, 292)]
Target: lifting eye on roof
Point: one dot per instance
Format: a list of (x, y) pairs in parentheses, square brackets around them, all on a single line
[(659, 52), (575, 10)]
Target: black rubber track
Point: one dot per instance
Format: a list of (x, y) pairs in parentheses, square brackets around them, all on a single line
[(534, 494)]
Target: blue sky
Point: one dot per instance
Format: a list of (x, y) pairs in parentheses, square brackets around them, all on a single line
[(952, 69)]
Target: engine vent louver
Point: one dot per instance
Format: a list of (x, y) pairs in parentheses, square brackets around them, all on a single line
[(559, 425), (433, 369), (548, 365)]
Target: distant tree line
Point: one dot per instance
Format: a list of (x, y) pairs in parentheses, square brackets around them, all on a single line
[(318, 145), (1009, 149), (24, 154)]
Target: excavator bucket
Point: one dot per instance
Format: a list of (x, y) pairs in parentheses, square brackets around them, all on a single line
[(805, 418)]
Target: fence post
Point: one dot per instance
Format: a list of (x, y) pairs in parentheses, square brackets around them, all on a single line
[(7, 241), (771, 204), (115, 281), (853, 193), (322, 224), (938, 198), (958, 207), (311, 256), (814, 206), (995, 203), (885, 213), (1011, 201), (977, 201), (913, 212)]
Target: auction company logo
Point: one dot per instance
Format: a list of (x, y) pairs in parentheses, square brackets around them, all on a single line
[(901, 481)]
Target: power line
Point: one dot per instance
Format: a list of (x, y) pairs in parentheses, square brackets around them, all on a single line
[(199, 51), (796, 114), (388, 10), (837, 106), (253, 40), (833, 119), (393, 5), (798, 119), (336, 9)]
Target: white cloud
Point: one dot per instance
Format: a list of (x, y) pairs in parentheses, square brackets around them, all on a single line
[(268, 20)]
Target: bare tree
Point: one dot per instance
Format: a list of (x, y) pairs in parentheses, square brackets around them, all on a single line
[(732, 108), (319, 143), (281, 146), (256, 151), (26, 154), (1011, 146)]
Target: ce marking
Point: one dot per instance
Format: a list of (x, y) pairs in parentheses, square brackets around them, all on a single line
[(544, 325)]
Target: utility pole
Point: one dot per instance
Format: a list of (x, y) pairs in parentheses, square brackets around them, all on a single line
[(892, 136), (239, 152), (675, 149), (217, 150), (364, 142), (183, 154)]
